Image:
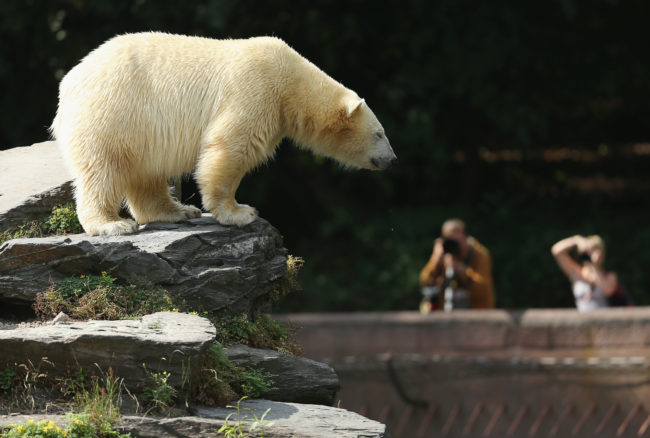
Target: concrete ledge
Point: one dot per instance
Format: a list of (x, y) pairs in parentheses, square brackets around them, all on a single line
[(494, 332)]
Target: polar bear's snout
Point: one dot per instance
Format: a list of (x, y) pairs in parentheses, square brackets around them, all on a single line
[(383, 163), (383, 156)]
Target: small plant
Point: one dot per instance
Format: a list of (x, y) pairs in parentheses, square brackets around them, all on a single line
[(41, 429), (289, 282), (236, 429), (159, 393), (255, 383), (217, 373), (98, 407), (263, 332), (73, 382), (28, 230), (63, 220), (7, 378), (221, 381), (99, 297), (80, 426)]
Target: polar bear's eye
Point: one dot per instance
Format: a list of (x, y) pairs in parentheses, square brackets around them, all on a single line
[(379, 135)]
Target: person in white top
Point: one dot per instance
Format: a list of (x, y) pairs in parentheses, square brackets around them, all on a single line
[(592, 285)]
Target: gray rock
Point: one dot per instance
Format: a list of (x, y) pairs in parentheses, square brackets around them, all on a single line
[(60, 318), (295, 379), (33, 179), (290, 420), (211, 267), (164, 341)]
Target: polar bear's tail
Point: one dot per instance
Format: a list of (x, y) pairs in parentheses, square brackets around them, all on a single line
[(54, 129)]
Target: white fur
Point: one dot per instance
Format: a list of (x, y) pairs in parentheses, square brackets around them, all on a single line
[(143, 108)]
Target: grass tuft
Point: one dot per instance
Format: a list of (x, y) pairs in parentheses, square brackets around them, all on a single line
[(62, 220), (99, 297)]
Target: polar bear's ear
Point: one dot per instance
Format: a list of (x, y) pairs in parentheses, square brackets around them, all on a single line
[(352, 105)]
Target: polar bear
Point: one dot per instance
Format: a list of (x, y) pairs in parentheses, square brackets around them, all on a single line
[(146, 107)]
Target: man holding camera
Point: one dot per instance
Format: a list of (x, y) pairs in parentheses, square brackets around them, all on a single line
[(459, 272)]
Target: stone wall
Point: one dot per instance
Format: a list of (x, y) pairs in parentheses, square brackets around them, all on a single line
[(496, 333), (490, 373)]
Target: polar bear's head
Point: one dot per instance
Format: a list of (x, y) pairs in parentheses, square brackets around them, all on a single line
[(353, 136)]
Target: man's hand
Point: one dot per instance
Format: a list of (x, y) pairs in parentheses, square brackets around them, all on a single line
[(438, 248)]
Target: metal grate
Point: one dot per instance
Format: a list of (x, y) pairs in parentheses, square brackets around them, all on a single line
[(494, 419)]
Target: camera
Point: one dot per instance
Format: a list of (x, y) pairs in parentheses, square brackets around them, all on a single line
[(451, 246)]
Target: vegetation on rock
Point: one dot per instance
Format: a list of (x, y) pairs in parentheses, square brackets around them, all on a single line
[(62, 220), (100, 297)]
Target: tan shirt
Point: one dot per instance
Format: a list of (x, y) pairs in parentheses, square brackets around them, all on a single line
[(476, 279)]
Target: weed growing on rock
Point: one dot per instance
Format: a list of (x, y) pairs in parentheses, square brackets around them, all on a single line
[(236, 429), (99, 297), (95, 399), (30, 229), (100, 404), (158, 393), (43, 428), (255, 383), (289, 283), (262, 332), (221, 381), (217, 372), (25, 391), (62, 220), (79, 426), (7, 377)]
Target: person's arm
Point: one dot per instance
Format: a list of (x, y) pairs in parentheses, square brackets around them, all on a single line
[(433, 269), (606, 281), (560, 251)]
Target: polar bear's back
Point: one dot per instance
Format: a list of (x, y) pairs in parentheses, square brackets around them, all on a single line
[(139, 93)]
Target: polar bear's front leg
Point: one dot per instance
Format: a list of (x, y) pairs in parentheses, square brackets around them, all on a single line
[(218, 175)]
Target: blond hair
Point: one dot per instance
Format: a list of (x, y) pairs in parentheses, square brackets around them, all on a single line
[(596, 242)]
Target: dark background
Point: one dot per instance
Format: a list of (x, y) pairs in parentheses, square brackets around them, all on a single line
[(528, 119)]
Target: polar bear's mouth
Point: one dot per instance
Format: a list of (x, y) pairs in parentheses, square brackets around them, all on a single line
[(383, 163)]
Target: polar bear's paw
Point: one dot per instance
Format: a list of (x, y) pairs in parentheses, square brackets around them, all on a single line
[(190, 211), (113, 228), (239, 215)]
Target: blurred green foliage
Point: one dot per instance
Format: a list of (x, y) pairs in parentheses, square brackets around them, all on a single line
[(449, 80)]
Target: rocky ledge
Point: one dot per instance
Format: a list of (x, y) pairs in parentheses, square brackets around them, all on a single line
[(164, 341), (289, 420), (207, 266)]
